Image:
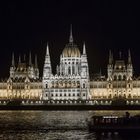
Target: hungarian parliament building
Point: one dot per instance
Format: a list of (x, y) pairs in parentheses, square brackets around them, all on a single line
[(71, 81)]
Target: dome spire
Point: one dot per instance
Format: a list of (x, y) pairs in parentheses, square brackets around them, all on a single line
[(71, 37)]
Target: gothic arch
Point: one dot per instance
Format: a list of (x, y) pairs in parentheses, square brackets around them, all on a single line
[(119, 77)]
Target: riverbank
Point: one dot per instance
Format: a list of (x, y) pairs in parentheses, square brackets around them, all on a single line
[(69, 107)]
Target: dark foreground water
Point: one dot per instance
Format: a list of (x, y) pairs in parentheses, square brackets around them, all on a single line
[(54, 125)]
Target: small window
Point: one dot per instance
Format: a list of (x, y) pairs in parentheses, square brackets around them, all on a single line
[(84, 86), (115, 77), (46, 85)]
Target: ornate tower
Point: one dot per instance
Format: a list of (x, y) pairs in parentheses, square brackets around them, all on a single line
[(129, 67), (84, 73), (110, 66), (12, 68), (47, 71), (36, 68), (30, 67)]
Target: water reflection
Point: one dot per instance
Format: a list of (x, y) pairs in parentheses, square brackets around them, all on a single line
[(52, 125)]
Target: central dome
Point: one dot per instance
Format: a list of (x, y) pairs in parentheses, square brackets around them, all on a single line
[(71, 50)]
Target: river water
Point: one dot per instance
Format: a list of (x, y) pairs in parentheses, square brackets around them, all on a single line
[(54, 125)]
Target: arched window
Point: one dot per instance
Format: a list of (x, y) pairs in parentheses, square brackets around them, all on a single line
[(119, 77), (78, 84), (115, 77), (65, 83), (73, 72), (124, 77), (84, 86), (69, 70), (46, 85)]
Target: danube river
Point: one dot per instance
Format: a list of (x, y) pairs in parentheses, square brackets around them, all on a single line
[(54, 125)]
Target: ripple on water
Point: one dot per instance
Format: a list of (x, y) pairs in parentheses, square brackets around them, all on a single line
[(51, 125)]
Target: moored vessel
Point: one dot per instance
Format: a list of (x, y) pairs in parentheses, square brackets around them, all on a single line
[(114, 123)]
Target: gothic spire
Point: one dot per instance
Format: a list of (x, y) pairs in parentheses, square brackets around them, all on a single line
[(129, 57), (84, 48), (71, 37), (120, 53), (36, 64), (47, 50), (24, 57), (19, 60), (30, 59), (110, 57), (47, 64), (100, 72), (13, 60)]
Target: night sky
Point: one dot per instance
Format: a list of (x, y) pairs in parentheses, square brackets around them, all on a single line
[(28, 26)]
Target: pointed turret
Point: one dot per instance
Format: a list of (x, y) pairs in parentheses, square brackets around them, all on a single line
[(24, 57), (47, 65), (36, 68), (120, 54), (30, 59), (71, 36), (12, 68), (47, 50), (129, 57), (19, 60), (36, 64), (129, 67), (100, 72), (13, 60), (110, 57), (84, 48), (110, 66)]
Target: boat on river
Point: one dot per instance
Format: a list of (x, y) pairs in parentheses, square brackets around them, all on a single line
[(114, 123)]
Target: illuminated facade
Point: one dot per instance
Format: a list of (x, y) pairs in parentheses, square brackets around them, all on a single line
[(23, 82), (71, 81), (120, 82)]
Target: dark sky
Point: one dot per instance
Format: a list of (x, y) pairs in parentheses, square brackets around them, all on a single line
[(28, 25)]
